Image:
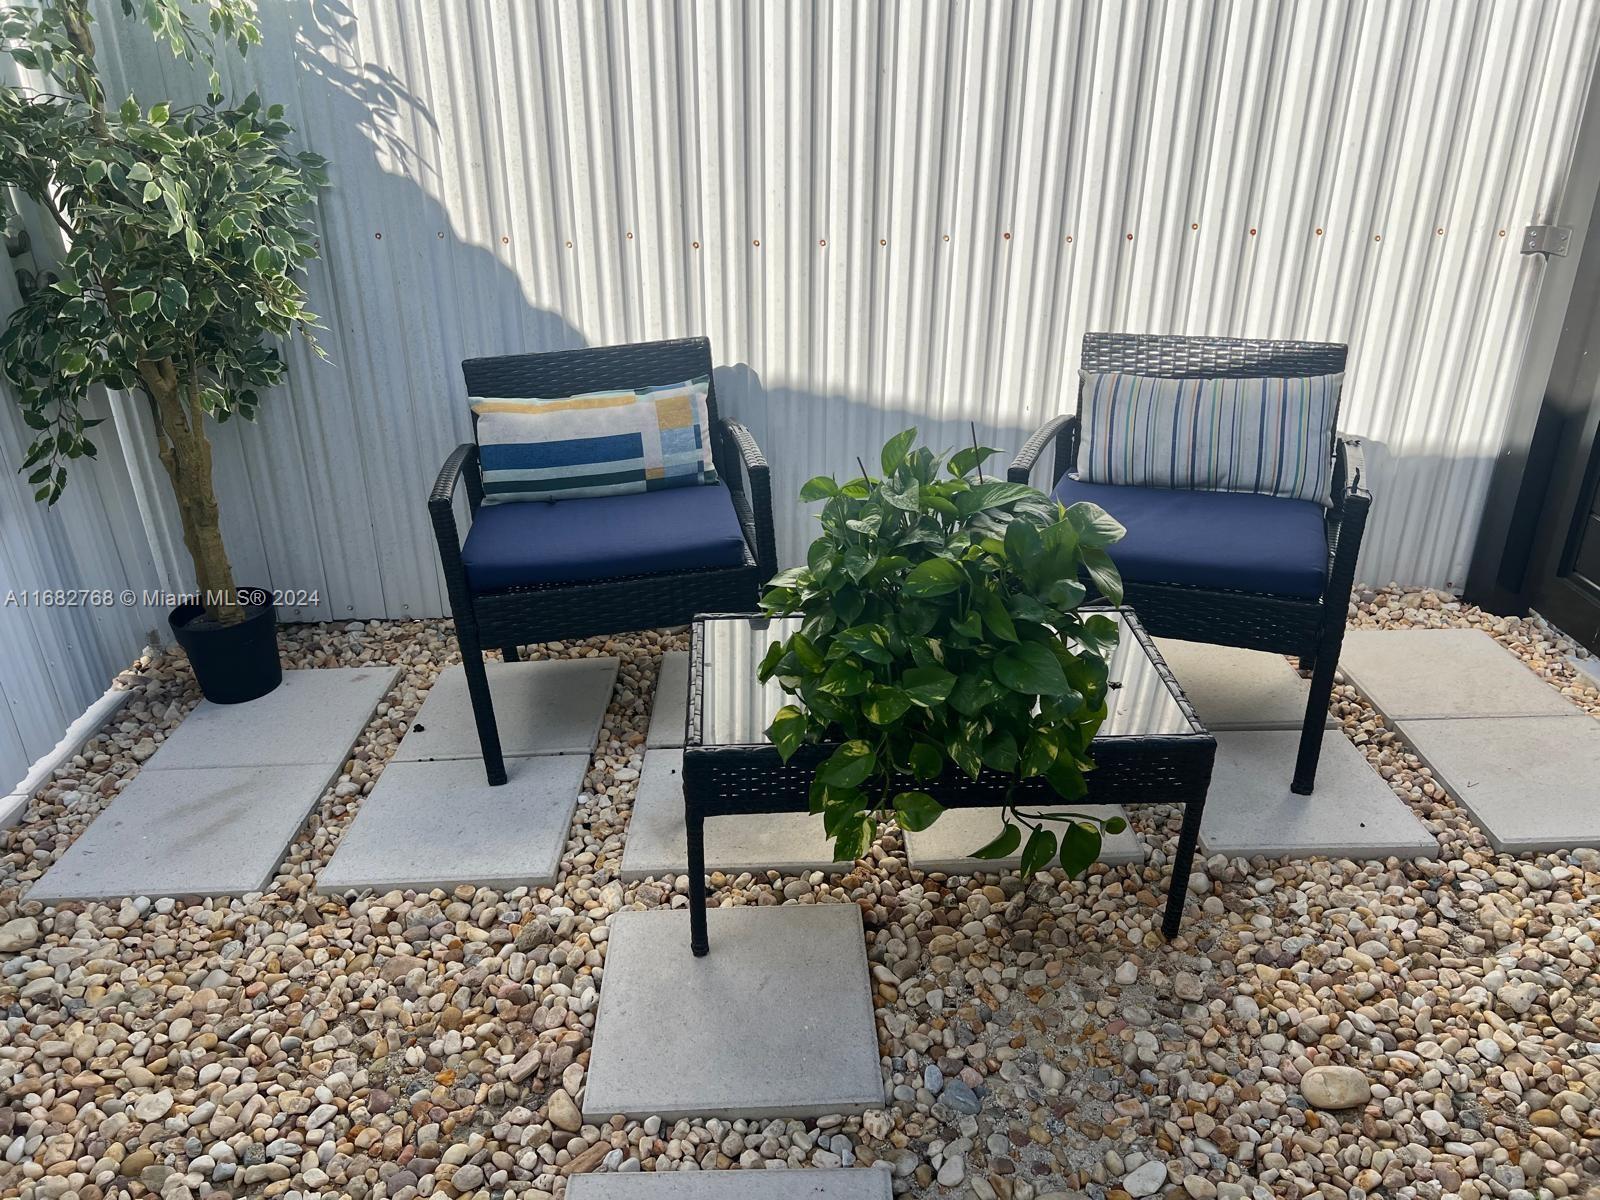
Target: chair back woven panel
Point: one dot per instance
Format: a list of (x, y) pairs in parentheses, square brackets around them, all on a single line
[(558, 373), (1173, 356)]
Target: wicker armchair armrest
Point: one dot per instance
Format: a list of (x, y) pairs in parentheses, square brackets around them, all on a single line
[(1346, 519), (463, 462), (1061, 431), (753, 496), (1349, 473)]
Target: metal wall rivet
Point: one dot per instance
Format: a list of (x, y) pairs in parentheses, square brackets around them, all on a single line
[(379, 236), (1007, 236), (1194, 224)]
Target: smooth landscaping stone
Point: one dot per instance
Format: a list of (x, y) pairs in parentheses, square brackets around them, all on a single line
[(1352, 814), (1238, 689), (776, 1021), (204, 831), (440, 824), (671, 708), (313, 717), (948, 843), (1531, 783), (836, 1183), (656, 845), (549, 707), (1411, 674)]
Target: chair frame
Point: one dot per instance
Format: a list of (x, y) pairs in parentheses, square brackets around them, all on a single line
[(1311, 629), (512, 617)]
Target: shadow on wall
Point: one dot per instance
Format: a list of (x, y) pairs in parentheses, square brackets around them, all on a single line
[(330, 495), (410, 294), (327, 492)]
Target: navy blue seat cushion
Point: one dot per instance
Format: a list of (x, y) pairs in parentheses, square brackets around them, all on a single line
[(1236, 540), (568, 541)]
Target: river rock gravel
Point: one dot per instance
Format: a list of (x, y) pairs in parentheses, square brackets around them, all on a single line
[(1038, 1042)]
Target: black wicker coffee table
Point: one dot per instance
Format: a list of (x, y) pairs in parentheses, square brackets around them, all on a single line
[(1152, 749)]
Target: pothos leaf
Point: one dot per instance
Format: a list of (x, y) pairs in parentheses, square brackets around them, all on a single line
[(1039, 850), (1003, 845), (916, 811)]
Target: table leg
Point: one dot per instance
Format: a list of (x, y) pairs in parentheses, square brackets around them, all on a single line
[(1182, 863), (695, 828)]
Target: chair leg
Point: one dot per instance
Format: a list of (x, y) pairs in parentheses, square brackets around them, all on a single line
[(1305, 765), (509, 653), (494, 765)]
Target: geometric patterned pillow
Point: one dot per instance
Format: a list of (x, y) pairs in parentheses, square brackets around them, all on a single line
[(1273, 436), (599, 444)]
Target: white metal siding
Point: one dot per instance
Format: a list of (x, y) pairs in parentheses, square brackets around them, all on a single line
[(894, 213), (58, 653)]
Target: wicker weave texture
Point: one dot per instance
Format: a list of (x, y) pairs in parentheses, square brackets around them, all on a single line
[(1174, 356)]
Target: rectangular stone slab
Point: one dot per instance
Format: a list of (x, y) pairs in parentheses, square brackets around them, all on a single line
[(205, 831), (656, 845), (671, 702), (1530, 783), (838, 1183), (312, 717), (439, 824), (947, 845), (1238, 689), (551, 707), (1352, 814), (1432, 673), (775, 1021)]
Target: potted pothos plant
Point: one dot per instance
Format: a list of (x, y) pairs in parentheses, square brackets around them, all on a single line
[(185, 230), (941, 632)]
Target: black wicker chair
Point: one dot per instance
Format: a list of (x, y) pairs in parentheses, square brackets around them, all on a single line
[(1311, 627), (510, 616)]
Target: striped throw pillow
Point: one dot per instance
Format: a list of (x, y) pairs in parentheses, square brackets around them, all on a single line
[(1273, 436), (597, 444)]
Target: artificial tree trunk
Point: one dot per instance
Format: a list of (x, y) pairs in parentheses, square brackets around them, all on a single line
[(186, 454)]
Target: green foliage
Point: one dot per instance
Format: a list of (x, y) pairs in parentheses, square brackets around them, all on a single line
[(185, 229), (941, 632)]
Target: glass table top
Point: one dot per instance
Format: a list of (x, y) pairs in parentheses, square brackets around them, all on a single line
[(735, 708)]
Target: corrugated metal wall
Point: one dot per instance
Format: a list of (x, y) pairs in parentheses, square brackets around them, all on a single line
[(894, 213), (59, 652)]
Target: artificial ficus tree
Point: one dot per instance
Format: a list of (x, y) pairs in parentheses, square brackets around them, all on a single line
[(185, 230), (941, 633)]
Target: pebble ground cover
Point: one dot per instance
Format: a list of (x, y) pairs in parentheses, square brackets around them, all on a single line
[(1320, 1028)]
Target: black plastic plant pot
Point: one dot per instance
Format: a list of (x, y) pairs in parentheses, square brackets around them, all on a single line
[(233, 663)]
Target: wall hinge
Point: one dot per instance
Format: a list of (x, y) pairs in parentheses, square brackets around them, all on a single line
[(1546, 240)]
